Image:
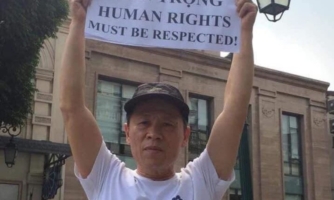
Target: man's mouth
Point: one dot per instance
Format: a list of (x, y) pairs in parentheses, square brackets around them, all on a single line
[(153, 148)]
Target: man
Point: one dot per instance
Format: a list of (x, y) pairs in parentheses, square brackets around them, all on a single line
[(156, 129)]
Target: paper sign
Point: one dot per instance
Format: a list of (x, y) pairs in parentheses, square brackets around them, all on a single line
[(179, 24)]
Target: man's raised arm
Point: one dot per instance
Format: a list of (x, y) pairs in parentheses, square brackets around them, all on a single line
[(226, 133), (83, 133)]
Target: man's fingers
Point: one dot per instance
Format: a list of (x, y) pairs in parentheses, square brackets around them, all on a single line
[(245, 8), (85, 3), (75, 4), (240, 4), (247, 11), (77, 1), (78, 11)]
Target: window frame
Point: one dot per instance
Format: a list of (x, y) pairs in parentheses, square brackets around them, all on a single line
[(246, 135), (236, 191), (210, 113), (299, 130), (118, 149), (19, 183), (299, 140)]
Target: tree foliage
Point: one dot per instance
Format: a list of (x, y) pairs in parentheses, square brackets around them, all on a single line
[(24, 26)]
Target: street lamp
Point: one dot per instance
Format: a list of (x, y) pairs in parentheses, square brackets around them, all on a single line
[(10, 148), (275, 8), (10, 153)]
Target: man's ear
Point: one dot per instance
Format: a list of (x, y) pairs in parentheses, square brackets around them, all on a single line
[(127, 135), (186, 136)]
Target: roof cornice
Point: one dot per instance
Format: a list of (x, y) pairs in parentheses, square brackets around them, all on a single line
[(221, 62)]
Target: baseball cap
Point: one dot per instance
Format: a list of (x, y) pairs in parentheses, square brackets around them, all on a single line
[(161, 90)]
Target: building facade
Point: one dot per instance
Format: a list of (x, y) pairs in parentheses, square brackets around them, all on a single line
[(330, 105), (286, 144)]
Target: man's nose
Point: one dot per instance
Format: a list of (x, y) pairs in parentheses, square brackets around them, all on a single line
[(154, 131)]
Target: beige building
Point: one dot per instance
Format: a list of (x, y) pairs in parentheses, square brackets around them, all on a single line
[(330, 105), (286, 143)]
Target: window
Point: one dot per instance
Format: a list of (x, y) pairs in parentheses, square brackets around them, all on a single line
[(9, 191), (292, 157), (235, 194), (242, 187), (235, 188), (110, 116), (199, 122)]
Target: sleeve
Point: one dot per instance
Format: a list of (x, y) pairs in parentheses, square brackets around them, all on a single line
[(205, 175), (104, 162)]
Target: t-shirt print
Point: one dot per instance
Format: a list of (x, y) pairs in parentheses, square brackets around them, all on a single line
[(177, 198)]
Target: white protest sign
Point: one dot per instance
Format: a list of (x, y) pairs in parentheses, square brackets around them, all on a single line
[(179, 24)]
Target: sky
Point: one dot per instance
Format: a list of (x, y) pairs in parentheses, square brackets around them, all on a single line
[(301, 43)]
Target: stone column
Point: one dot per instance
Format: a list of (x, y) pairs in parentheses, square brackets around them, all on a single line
[(269, 146), (320, 151)]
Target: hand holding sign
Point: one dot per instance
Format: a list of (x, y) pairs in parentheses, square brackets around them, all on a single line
[(78, 9), (247, 11)]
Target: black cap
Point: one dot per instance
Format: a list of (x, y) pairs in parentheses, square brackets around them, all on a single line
[(162, 90)]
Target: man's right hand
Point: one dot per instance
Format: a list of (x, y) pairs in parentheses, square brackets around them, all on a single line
[(78, 10)]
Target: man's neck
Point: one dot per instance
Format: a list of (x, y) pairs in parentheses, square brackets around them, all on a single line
[(156, 175)]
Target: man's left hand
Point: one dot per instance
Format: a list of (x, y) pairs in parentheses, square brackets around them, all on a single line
[(247, 11)]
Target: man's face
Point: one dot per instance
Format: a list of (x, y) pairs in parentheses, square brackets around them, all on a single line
[(156, 133)]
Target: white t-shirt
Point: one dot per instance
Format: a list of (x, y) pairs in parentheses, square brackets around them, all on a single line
[(111, 180)]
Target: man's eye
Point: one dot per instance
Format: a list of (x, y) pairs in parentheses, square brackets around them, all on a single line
[(168, 124), (143, 122)]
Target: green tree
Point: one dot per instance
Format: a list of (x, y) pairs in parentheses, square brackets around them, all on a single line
[(24, 26)]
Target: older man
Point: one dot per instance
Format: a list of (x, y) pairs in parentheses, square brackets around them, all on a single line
[(156, 128)]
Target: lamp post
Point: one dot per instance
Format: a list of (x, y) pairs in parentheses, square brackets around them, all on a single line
[(10, 148), (275, 8), (10, 153)]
